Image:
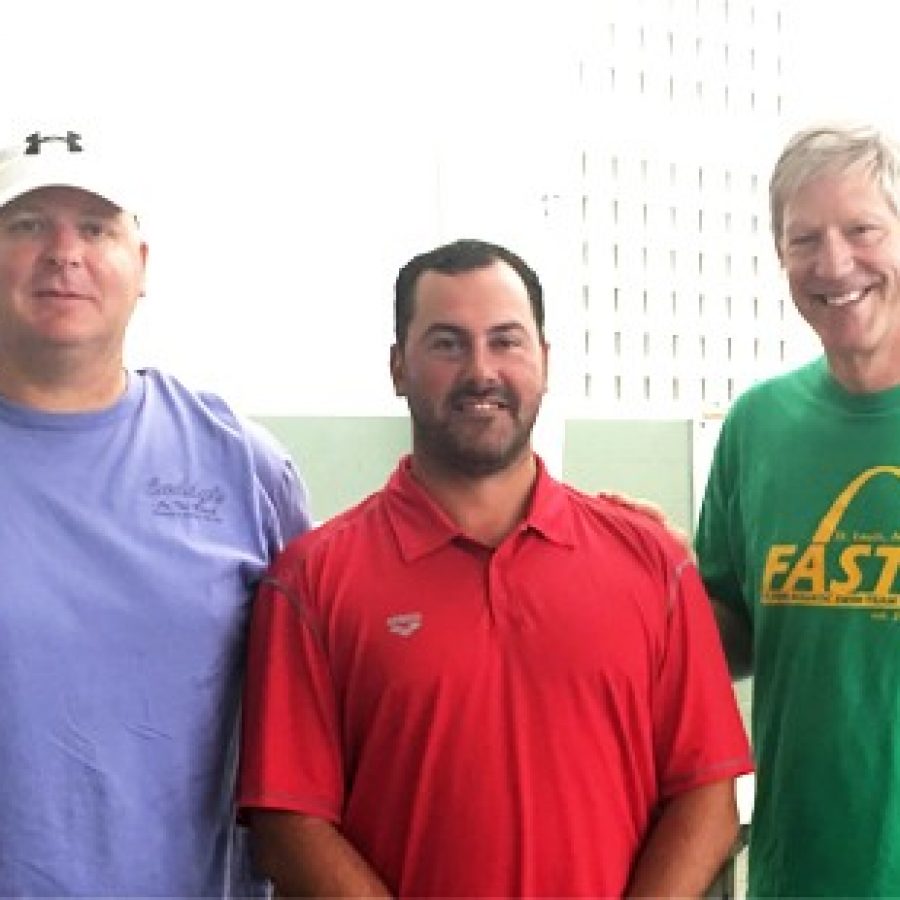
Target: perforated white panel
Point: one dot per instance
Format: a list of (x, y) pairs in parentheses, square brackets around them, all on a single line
[(680, 303)]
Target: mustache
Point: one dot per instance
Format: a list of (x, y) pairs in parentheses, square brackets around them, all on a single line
[(496, 393)]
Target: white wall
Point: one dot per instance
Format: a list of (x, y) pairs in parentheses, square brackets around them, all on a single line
[(295, 154)]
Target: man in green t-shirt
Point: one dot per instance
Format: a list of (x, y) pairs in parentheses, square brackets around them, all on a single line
[(799, 534)]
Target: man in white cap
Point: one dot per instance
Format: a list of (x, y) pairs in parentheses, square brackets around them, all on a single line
[(136, 519)]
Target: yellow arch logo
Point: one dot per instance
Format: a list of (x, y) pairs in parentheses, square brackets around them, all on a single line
[(832, 518), (799, 576)]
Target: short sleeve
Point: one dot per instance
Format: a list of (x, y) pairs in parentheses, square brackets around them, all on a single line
[(290, 746), (284, 495), (698, 733)]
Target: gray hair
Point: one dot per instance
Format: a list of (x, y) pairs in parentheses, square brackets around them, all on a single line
[(833, 149)]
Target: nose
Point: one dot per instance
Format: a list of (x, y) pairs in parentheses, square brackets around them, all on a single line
[(63, 246), (834, 256), (482, 364)]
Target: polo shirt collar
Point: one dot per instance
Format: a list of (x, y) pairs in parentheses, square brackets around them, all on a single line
[(421, 526), (550, 513)]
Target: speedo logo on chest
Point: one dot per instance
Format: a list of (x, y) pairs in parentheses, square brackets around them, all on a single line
[(841, 566), (404, 624), (185, 499)]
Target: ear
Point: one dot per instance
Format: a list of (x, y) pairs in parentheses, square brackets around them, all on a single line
[(545, 353), (779, 252), (398, 370), (143, 252)]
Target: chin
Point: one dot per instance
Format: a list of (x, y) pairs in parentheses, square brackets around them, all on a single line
[(489, 461)]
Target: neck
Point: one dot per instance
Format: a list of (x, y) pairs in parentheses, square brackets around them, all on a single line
[(866, 374), (55, 386), (487, 508)]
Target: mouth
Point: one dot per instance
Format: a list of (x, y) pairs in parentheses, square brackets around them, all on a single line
[(52, 295), (479, 405), (840, 300)]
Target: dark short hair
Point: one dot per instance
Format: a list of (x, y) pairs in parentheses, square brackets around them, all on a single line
[(460, 256)]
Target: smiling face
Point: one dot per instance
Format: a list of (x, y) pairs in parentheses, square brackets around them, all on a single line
[(840, 247), (473, 370), (71, 270)]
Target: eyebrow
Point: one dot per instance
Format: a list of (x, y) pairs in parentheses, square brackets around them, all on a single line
[(795, 229), (459, 329)]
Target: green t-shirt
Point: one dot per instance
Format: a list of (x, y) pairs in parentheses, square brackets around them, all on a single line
[(800, 529)]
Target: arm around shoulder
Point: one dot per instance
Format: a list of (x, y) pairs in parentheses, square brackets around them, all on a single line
[(305, 856)]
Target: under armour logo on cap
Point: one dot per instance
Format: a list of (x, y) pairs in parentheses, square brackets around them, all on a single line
[(71, 140), (58, 157)]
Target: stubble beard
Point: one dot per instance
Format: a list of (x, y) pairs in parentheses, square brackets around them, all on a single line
[(442, 444)]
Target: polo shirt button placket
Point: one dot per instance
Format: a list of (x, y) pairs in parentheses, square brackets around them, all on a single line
[(502, 604)]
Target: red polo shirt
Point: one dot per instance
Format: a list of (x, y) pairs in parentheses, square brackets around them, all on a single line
[(486, 722)]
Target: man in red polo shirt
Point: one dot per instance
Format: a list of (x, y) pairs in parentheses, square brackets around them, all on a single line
[(480, 682)]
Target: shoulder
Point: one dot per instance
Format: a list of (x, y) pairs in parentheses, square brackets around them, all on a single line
[(209, 411), (203, 417), (770, 393), (165, 392), (636, 551), (342, 537), (610, 521)]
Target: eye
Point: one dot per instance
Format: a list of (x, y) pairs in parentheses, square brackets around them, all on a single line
[(864, 232), (444, 343), (506, 341), (93, 228), (24, 225)]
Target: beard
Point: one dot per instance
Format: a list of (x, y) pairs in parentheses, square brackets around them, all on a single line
[(472, 447)]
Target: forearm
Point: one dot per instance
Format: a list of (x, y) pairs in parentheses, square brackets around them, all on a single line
[(737, 640), (309, 857), (689, 843)]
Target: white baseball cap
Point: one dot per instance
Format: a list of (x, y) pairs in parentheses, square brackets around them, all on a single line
[(65, 159)]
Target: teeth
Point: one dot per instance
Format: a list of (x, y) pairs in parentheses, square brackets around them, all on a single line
[(480, 405), (840, 299), (843, 299)]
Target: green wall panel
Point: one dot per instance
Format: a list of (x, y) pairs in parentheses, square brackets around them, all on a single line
[(345, 458), (342, 458), (647, 459)]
